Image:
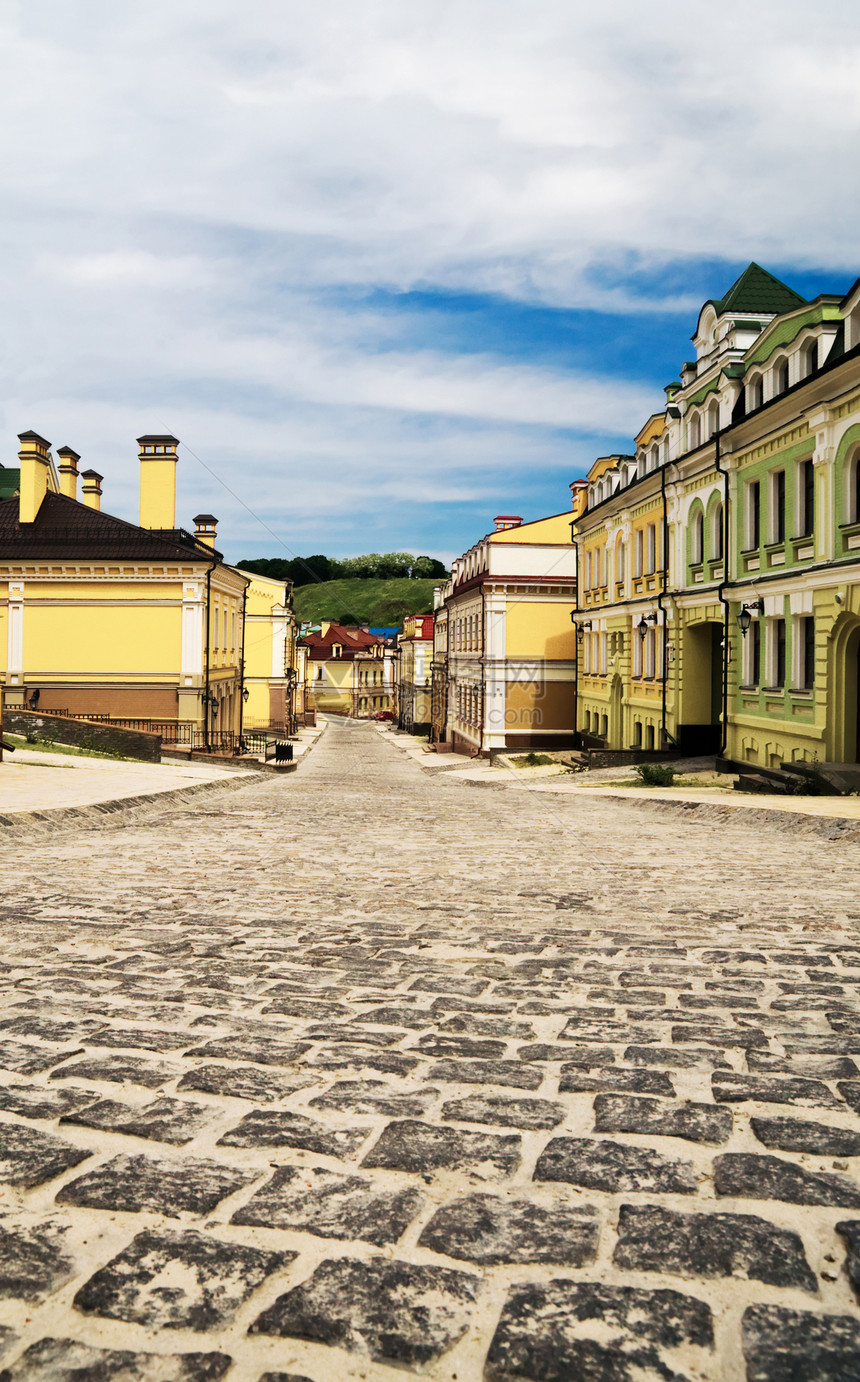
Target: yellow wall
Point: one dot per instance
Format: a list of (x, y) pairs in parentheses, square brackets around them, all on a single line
[(542, 629), (556, 528), (111, 639)]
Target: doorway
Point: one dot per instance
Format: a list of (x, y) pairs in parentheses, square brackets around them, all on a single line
[(701, 689)]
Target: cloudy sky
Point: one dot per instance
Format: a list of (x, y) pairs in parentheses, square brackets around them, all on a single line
[(390, 267)]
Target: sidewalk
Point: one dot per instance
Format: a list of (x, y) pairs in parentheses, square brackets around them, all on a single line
[(552, 779)]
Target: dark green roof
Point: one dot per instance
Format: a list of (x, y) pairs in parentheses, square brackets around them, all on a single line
[(10, 480), (758, 291)]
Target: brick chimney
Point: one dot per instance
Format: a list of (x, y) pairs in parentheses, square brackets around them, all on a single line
[(92, 489), (158, 481), (506, 520), (204, 529), (68, 471), (35, 461)]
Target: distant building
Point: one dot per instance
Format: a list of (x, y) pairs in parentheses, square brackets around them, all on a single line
[(509, 662), (413, 673), (349, 671), (275, 691)]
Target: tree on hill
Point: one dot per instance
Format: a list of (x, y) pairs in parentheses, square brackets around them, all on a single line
[(370, 566)]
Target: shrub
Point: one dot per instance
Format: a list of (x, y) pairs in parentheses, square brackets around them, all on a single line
[(656, 774)]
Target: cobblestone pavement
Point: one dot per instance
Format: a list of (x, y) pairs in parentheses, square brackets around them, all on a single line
[(371, 1072)]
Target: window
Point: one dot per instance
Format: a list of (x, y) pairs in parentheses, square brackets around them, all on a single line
[(853, 505), (753, 515), (665, 450), (713, 419), (777, 506), (650, 548), (604, 727), (650, 641), (603, 654), (776, 653), (336, 649), (805, 628), (780, 377), (619, 560), (697, 538), (637, 656), (637, 734), (717, 533), (809, 359), (588, 570), (649, 736), (693, 433), (752, 654), (638, 548), (755, 393), (806, 495)]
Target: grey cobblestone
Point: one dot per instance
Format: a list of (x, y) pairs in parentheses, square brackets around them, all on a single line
[(362, 1072)]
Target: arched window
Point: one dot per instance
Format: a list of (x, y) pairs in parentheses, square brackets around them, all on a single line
[(697, 537), (713, 418), (755, 393), (653, 458), (780, 376), (852, 487), (619, 560), (694, 432), (809, 359), (665, 448), (717, 532)]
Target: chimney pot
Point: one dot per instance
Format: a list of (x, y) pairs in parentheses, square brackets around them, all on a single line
[(35, 461), (506, 520), (204, 529), (92, 489), (68, 471), (158, 480)]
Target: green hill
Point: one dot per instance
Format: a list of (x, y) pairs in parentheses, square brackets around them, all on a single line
[(365, 601)]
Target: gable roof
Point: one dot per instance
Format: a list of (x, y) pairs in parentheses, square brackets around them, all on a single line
[(65, 530), (758, 291), (351, 640)]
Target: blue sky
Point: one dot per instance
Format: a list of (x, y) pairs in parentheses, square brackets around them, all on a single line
[(388, 270)]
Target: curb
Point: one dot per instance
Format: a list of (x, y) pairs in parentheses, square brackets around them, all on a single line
[(842, 829), (22, 822)]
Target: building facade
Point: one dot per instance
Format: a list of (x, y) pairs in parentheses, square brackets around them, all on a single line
[(510, 649), (413, 663), (348, 672), (719, 607), (271, 668), (100, 616)]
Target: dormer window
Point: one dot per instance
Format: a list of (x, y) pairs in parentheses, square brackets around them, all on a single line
[(694, 432), (809, 359), (336, 649), (755, 393), (713, 419), (780, 377)]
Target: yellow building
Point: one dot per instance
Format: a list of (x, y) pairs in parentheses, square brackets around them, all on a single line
[(413, 660), (271, 670), (348, 672), (104, 617), (511, 649)]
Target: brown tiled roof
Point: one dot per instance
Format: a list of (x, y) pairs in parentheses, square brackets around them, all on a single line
[(351, 640), (65, 530)]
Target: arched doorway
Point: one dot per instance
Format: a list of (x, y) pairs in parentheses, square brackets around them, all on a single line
[(616, 733), (843, 741), (701, 688)]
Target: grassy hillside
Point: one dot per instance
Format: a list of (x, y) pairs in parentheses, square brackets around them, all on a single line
[(369, 601)]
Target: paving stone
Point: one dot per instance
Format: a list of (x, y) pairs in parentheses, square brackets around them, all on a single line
[(783, 1345), (32, 1101), (726, 1037), (501, 1072), (586, 1029), (29, 1157), (57, 1029), (366, 1097), (502, 1110), (675, 1059), (141, 1038), (258, 1052), (653, 1239), (361, 1036), (559, 1330), (849, 1231), (575, 1081), (118, 1070), (192, 1185), (395, 1312), (745, 1175), (850, 1091), (422, 1147), (463, 1047), (729, 1087), (331, 1205), (450, 983), (487, 1230), (177, 1280), (34, 1261), (694, 1122), (164, 1120), (252, 1082), (273, 1128), (314, 1008), (284, 1377), (799, 1135), (816, 1067), (29, 1060), (347, 1057), (613, 1166), (803, 1044), (583, 1057), (69, 1360)]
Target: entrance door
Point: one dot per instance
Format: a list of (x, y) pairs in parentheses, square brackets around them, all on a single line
[(701, 689)]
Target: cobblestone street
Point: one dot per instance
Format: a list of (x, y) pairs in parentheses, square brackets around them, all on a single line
[(369, 1070)]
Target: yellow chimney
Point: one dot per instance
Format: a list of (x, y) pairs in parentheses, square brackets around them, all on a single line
[(204, 529), (92, 489), (35, 460), (157, 481), (68, 471)]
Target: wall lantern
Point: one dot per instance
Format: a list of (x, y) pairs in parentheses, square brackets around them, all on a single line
[(245, 694), (645, 622), (746, 614)]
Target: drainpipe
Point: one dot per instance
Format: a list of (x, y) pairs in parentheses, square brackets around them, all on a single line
[(208, 637), (664, 733), (242, 668), (721, 593)]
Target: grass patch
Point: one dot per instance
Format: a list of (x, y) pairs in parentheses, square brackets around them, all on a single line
[(532, 760), (656, 774), (23, 745)]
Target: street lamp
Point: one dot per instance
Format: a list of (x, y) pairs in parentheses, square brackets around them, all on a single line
[(245, 694), (645, 622), (745, 616)]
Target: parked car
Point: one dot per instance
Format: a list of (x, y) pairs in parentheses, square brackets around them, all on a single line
[(384, 715)]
